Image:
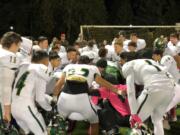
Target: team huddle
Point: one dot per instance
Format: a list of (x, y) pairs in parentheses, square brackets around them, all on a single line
[(110, 86)]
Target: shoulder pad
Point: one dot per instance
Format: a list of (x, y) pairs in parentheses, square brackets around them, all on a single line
[(167, 59), (8, 59), (41, 70), (127, 68), (26, 45)]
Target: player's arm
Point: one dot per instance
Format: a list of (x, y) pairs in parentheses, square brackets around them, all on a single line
[(8, 77), (107, 84), (42, 99), (59, 85), (131, 93), (128, 73)]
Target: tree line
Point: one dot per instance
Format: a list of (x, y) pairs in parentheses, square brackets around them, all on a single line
[(51, 17)]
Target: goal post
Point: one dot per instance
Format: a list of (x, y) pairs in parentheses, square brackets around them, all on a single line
[(108, 32)]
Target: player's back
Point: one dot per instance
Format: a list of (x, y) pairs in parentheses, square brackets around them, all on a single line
[(24, 84), (145, 71), (81, 72), (28, 80)]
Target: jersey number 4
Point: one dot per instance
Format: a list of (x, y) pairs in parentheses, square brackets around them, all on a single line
[(20, 83)]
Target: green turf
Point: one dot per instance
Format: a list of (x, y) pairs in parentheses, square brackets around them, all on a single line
[(175, 126), (82, 127)]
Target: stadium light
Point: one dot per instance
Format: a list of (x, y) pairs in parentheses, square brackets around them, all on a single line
[(11, 28)]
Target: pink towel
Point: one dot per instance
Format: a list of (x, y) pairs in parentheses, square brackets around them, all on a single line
[(121, 107)]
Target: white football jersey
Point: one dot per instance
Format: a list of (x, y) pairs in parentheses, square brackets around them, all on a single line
[(24, 58), (9, 63), (8, 59), (171, 50), (148, 73), (36, 47), (30, 85), (145, 71), (110, 51), (170, 64), (125, 45), (115, 57), (87, 48), (177, 46), (26, 46), (91, 55), (64, 59), (81, 73), (141, 44)]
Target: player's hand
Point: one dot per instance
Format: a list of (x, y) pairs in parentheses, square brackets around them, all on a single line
[(55, 98), (7, 117), (7, 113), (119, 92), (135, 121), (123, 93), (54, 101)]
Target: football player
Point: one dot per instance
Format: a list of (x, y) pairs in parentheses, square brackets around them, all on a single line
[(157, 93), (9, 63), (77, 79), (29, 88)]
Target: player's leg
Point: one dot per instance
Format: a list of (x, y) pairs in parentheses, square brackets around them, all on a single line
[(23, 126), (89, 112), (176, 98), (145, 105), (164, 98), (19, 115), (35, 121), (158, 126), (64, 105)]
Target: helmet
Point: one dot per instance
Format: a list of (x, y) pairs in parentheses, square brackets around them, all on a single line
[(159, 43), (26, 46)]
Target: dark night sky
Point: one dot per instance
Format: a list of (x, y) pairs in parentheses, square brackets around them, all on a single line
[(50, 17)]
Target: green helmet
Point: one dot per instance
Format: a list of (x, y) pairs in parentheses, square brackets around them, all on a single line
[(159, 43)]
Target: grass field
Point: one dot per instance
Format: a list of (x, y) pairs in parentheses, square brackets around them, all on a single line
[(175, 126), (82, 127)]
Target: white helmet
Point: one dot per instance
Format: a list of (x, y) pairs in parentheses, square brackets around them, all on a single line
[(26, 46)]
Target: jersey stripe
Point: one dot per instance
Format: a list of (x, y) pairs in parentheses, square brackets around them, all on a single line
[(20, 83), (39, 123), (141, 105), (150, 63)]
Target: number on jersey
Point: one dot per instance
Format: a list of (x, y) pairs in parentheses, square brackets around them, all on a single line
[(21, 82), (77, 74)]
